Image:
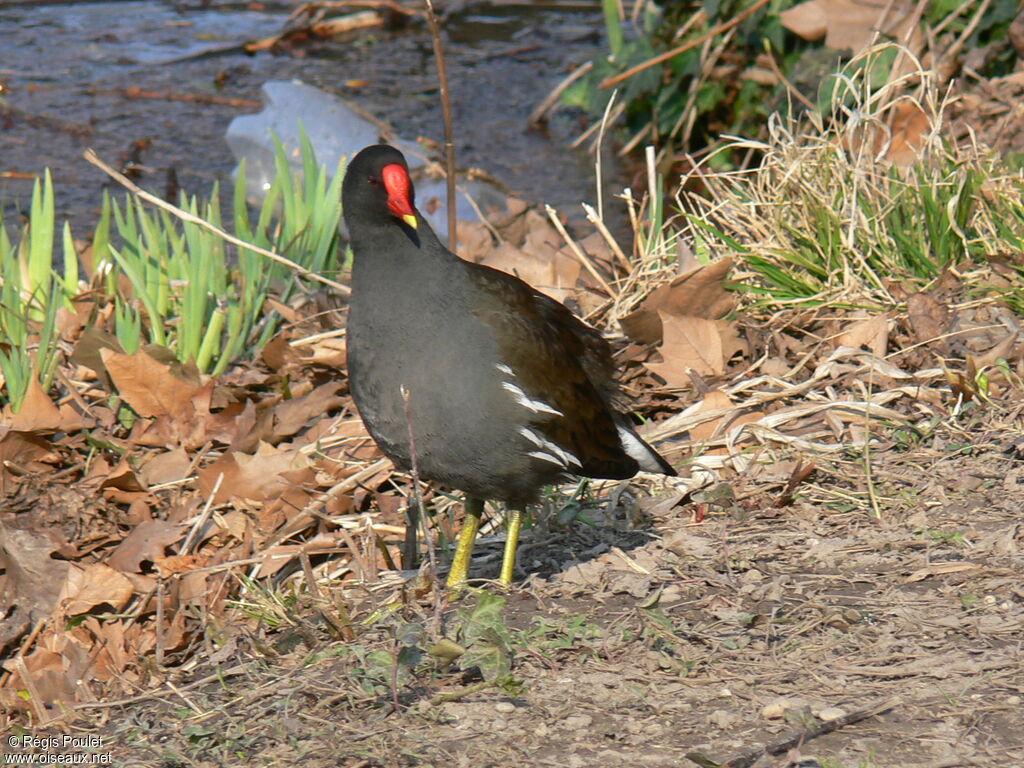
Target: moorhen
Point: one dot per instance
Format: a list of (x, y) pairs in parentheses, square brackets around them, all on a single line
[(502, 388)]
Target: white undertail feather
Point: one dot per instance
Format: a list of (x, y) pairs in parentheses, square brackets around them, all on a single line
[(505, 369), (550, 451), (637, 449)]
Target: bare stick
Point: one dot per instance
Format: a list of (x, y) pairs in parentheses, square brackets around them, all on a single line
[(577, 251), (552, 98), (417, 493), (193, 535), (121, 179), (597, 162), (594, 218), (446, 113), (777, 747), (608, 82)]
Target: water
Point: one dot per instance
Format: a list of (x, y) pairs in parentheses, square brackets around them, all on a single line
[(68, 71)]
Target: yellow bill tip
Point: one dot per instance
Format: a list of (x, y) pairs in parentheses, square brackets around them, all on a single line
[(409, 219)]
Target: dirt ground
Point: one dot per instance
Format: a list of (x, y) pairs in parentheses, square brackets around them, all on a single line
[(666, 641)]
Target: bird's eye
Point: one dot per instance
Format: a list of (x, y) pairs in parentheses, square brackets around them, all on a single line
[(373, 180)]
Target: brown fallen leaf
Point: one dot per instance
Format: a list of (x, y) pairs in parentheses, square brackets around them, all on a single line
[(929, 319), (713, 401), (699, 293), (96, 584), (263, 476), (909, 127), (148, 385), (166, 467), (940, 569), (292, 415), (37, 412), (23, 453), (146, 542), (847, 24), (691, 343), (1004, 349), (30, 578), (872, 333), (545, 268)]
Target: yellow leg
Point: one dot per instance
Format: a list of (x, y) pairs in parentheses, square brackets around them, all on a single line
[(508, 559), (467, 537)]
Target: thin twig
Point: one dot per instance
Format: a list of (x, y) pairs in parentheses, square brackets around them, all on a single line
[(420, 511), (123, 180), (417, 486), (193, 535), (597, 154), (580, 255), (777, 747), (595, 218), (608, 82), (446, 113), (540, 112)]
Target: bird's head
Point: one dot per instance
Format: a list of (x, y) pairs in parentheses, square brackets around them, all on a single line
[(377, 185)]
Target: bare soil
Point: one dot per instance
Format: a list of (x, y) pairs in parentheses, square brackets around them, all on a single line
[(645, 644)]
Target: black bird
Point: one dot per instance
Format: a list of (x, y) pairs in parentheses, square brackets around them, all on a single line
[(507, 390)]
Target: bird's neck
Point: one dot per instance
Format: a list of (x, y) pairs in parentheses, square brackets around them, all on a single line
[(390, 252)]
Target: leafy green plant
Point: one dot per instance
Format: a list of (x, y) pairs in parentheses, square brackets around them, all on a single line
[(718, 67), (828, 218), (206, 302), (31, 294)]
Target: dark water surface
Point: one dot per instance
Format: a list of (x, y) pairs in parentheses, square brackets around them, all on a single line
[(67, 69)]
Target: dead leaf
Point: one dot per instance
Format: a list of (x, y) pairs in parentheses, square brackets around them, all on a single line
[(847, 24), (872, 333), (713, 401), (148, 385), (264, 476), (691, 343), (96, 584), (909, 127), (940, 569), (166, 467), (807, 20), (37, 412), (147, 542), (292, 415), (699, 293), (929, 319), (23, 452), (30, 579), (1003, 349), (546, 269)]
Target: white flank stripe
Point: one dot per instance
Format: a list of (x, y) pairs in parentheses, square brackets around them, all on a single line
[(547, 457), (537, 406), (556, 454), (505, 369), (635, 448)]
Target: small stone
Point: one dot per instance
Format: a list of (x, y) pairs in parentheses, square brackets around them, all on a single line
[(723, 719), (779, 707), (505, 707), (498, 724), (831, 713), (577, 722)]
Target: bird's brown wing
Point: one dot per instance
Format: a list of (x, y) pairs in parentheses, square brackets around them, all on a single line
[(560, 361)]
